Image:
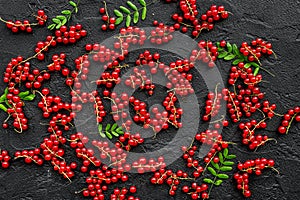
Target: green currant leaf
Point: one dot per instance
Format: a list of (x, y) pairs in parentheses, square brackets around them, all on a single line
[(119, 20), (223, 176), (64, 21), (212, 171), (58, 25), (66, 12), (118, 13), (231, 157), (132, 6), (226, 169), (128, 20), (124, 10), (237, 61), (108, 135), (115, 133), (120, 130), (218, 182), (207, 180), (56, 21), (3, 96), (225, 152), (229, 47), (247, 65), (256, 71), (223, 54), (215, 165), (60, 17), (218, 44), (229, 57), (254, 64), (228, 163), (144, 13), (23, 94), (76, 10), (114, 126), (143, 3), (107, 127), (100, 127), (235, 49), (2, 107), (29, 97), (72, 3), (136, 17), (221, 157)]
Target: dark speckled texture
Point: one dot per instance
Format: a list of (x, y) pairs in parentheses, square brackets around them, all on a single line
[(274, 20)]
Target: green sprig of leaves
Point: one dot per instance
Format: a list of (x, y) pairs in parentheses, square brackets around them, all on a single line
[(110, 131), (232, 53), (218, 170), (134, 16), (60, 20)]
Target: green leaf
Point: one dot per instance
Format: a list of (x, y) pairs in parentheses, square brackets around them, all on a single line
[(58, 25), (254, 64), (76, 10), (256, 71), (64, 21), (207, 180), (100, 127), (235, 49), (223, 54), (2, 107), (118, 13), (218, 182), (124, 10), (144, 13), (56, 21), (72, 3), (142, 2), (212, 171), (108, 135), (29, 97), (225, 152), (231, 157), (128, 20), (107, 127), (115, 133), (114, 126), (3, 96), (23, 94), (215, 165), (60, 17), (119, 20), (229, 57), (66, 12), (221, 157), (223, 176), (237, 61), (229, 47), (247, 65), (225, 169), (120, 130), (228, 163), (132, 6), (136, 17)]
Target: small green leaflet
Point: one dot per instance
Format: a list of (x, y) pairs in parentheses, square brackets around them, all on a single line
[(3, 96), (229, 47), (110, 131), (29, 97), (124, 10), (72, 3), (207, 180), (223, 176), (218, 182), (2, 107), (212, 171), (128, 20), (144, 13), (118, 13), (136, 17), (56, 21), (66, 12), (23, 94), (132, 6), (143, 3)]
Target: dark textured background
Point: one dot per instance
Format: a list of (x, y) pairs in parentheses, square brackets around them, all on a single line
[(274, 20)]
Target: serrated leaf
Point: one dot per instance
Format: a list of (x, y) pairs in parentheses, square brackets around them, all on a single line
[(223, 54), (212, 171), (231, 157), (144, 13), (229, 47), (128, 20), (60, 17), (136, 17), (132, 6), (225, 152), (108, 135), (2, 107), (29, 97), (72, 3), (66, 12), (115, 133), (221, 157), (119, 20), (256, 71), (247, 65), (237, 61), (229, 57), (114, 126), (56, 21), (142, 2), (226, 169), (118, 13), (107, 127), (215, 165), (23, 94), (218, 182), (223, 176), (228, 163), (124, 10), (207, 180)]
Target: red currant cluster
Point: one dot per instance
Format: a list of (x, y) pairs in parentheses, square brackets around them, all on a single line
[(25, 25), (70, 35), (288, 118), (4, 159), (191, 162), (189, 9), (143, 165), (249, 167), (196, 191), (174, 113), (161, 34), (256, 49), (212, 105), (31, 156), (120, 194), (110, 21)]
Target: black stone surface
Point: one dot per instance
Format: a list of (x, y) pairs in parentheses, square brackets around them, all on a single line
[(274, 20)]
